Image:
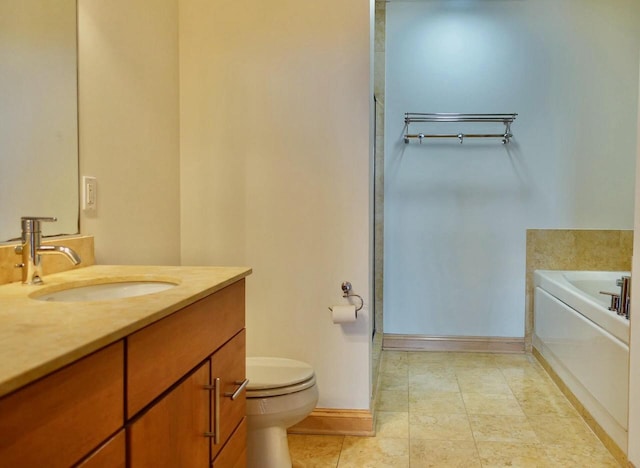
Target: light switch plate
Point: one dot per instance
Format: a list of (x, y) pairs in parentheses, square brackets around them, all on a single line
[(89, 193)]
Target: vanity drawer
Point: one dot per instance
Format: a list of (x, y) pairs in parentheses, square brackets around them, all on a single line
[(59, 419), (160, 354)]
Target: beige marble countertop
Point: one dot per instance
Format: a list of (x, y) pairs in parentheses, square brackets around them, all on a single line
[(38, 337)]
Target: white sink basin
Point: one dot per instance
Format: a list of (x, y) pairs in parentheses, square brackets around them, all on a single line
[(105, 291)]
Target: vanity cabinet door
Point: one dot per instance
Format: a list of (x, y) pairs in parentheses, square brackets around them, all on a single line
[(59, 419), (229, 365), (234, 453), (112, 454), (172, 433)]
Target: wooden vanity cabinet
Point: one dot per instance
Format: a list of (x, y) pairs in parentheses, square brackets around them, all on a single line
[(174, 401), (111, 454), (172, 432), (180, 429), (161, 354), (150, 399), (59, 419), (234, 454), (228, 364)]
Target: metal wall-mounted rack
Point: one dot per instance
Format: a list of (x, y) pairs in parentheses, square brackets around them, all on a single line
[(506, 119)]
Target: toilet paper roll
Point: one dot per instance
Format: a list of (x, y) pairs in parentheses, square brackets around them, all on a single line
[(343, 313)]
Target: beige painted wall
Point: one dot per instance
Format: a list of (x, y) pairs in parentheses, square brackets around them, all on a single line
[(214, 100), (129, 131), (275, 156)]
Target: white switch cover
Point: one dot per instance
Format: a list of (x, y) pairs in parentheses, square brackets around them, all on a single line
[(89, 193)]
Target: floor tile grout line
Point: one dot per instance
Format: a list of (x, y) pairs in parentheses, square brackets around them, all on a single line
[(340, 453), (408, 412), (473, 435)]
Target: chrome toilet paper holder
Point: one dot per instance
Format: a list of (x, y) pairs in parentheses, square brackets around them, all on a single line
[(346, 292)]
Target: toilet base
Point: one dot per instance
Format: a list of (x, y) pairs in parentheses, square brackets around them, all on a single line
[(267, 421), (268, 448)]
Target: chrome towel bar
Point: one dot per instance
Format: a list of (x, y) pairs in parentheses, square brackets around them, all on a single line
[(413, 117)]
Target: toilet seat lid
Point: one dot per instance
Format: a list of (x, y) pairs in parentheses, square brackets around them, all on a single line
[(269, 373)]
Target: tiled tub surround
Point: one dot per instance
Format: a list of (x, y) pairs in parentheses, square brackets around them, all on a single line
[(463, 409), (40, 337)]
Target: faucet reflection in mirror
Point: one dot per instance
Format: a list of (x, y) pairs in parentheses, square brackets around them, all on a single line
[(31, 249)]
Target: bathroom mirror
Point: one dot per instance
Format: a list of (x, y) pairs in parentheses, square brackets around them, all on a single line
[(38, 115)]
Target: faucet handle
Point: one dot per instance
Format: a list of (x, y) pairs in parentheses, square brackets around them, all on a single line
[(32, 223), (623, 280), (614, 306)]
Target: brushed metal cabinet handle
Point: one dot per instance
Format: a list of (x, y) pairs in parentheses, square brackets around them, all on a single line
[(242, 385), (216, 416)]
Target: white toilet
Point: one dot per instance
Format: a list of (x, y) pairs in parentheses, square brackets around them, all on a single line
[(281, 392)]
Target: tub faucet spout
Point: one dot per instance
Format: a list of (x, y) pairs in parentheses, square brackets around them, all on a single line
[(31, 250)]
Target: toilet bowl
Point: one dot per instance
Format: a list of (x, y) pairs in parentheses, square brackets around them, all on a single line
[(281, 392)]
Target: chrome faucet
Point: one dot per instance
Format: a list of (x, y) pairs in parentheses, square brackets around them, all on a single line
[(621, 302), (31, 249), (625, 296)]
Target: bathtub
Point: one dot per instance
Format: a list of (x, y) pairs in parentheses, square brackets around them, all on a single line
[(586, 344)]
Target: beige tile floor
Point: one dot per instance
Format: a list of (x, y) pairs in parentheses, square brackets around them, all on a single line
[(462, 410)]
